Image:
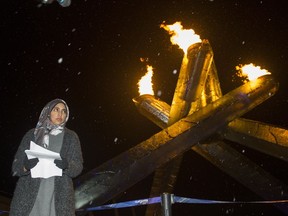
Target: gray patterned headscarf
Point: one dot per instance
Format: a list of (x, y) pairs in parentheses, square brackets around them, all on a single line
[(45, 127)]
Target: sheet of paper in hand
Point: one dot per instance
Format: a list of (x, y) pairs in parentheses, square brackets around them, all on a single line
[(45, 168)]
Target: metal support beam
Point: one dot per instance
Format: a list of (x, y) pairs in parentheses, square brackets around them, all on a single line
[(191, 81), (195, 87), (245, 172), (265, 138)]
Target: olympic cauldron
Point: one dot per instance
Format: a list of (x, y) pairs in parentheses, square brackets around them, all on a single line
[(198, 112)]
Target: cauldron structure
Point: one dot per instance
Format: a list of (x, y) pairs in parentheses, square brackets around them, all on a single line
[(200, 119)]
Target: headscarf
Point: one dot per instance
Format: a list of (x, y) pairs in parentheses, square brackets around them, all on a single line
[(45, 127)]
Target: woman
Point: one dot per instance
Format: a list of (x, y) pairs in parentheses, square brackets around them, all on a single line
[(52, 196)]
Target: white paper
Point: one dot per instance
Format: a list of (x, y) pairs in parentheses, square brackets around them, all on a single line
[(45, 168)]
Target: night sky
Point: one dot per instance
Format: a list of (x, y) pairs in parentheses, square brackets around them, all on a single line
[(89, 55)]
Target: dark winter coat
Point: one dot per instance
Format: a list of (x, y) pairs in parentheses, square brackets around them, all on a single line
[(27, 187)]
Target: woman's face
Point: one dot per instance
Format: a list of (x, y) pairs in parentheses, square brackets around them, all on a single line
[(58, 114)]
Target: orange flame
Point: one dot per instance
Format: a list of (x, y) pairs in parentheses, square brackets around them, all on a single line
[(250, 71), (145, 85), (181, 37)]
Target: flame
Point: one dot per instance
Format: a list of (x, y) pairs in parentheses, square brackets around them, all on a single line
[(145, 84), (181, 37), (250, 71)]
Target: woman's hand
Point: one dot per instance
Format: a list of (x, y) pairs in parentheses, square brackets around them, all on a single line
[(62, 164)]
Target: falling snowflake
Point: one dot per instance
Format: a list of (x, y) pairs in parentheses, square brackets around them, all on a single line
[(60, 60)]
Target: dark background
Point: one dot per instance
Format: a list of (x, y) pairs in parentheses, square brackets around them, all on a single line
[(100, 43)]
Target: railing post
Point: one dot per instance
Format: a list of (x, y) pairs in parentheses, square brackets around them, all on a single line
[(166, 202)]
